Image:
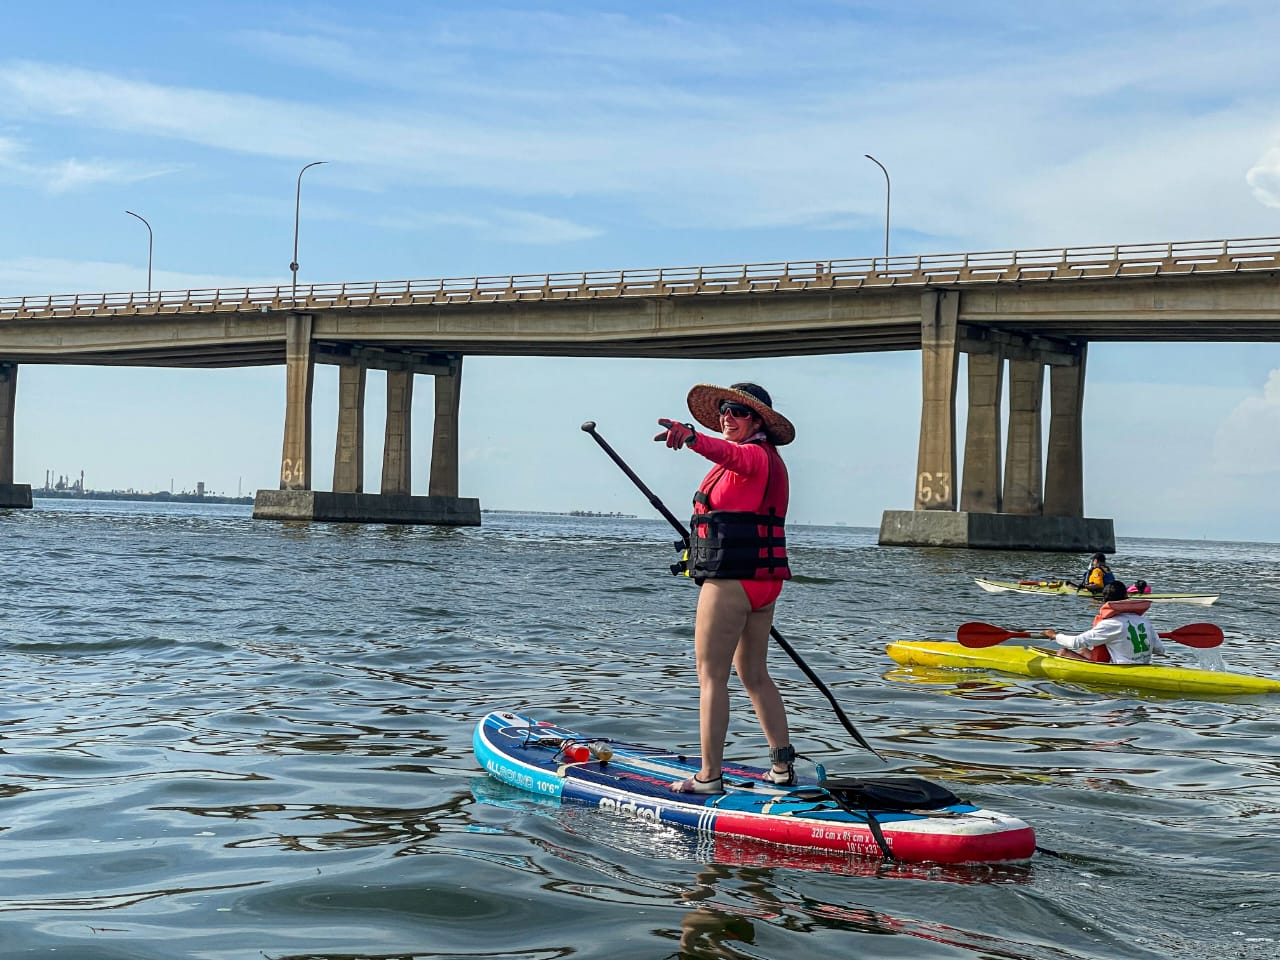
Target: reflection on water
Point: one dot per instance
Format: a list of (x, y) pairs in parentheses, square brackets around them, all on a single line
[(224, 739)]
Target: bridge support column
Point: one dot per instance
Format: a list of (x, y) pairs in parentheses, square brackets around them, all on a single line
[(936, 462), (980, 490), (348, 455), (1064, 472), (444, 441), (397, 446), (980, 523), (395, 503), (11, 494), (300, 357), (1023, 471)]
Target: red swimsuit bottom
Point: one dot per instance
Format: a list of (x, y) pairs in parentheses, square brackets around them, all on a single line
[(761, 593)]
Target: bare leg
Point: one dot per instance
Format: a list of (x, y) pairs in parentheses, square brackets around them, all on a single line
[(751, 662), (723, 613)]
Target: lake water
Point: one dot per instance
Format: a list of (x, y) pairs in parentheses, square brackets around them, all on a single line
[(227, 738)]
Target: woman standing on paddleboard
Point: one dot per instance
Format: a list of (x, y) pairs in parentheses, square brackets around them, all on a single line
[(738, 557)]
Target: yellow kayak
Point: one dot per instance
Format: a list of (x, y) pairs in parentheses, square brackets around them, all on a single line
[(1028, 662)]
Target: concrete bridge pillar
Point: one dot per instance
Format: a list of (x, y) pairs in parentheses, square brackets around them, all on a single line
[(295, 461), (444, 441), (1026, 511), (1064, 471), (1023, 471), (11, 494), (397, 444), (936, 462), (348, 503), (980, 490), (348, 455)]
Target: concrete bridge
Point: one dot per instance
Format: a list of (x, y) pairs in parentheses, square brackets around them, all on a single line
[(1035, 309)]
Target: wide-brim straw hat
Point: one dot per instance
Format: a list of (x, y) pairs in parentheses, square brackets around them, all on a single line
[(704, 404)]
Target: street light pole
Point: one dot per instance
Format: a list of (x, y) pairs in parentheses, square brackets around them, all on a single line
[(297, 207), (150, 247), (887, 189)]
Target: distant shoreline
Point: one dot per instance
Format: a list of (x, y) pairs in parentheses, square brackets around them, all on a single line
[(162, 496)]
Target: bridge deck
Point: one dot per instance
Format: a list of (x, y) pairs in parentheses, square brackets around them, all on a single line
[(1195, 290)]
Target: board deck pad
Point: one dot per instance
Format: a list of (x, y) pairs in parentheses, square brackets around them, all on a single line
[(636, 782)]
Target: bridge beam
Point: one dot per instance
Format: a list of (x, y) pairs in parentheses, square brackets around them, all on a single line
[(11, 494), (378, 358), (1054, 351)]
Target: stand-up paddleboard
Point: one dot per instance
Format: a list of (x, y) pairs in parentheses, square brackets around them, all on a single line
[(1062, 588), (635, 780), (1029, 662)]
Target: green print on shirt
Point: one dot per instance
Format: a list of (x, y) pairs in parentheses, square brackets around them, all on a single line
[(1138, 637)]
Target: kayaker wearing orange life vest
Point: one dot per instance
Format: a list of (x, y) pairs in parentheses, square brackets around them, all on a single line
[(737, 555), (1120, 633)]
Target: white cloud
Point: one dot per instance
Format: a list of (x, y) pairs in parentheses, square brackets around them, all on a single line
[(737, 139), (73, 174), (1264, 178), (522, 226), (27, 276), (1248, 441), (65, 176)]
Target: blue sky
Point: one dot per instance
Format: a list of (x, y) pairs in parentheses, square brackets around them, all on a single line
[(484, 138)]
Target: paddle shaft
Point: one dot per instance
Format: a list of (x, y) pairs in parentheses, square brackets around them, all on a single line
[(590, 427)]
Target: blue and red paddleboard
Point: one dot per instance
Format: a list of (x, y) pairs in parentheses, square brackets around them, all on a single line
[(635, 780)]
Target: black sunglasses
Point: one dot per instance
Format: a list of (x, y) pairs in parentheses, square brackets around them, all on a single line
[(739, 410)]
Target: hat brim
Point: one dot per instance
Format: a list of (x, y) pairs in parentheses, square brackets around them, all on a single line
[(704, 404)]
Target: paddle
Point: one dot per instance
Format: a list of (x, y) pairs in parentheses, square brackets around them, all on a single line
[(590, 427), (1200, 635)]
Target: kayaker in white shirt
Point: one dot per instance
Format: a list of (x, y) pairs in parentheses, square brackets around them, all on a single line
[(1120, 633)]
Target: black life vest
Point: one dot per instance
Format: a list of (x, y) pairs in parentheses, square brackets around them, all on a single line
[(740, 544)]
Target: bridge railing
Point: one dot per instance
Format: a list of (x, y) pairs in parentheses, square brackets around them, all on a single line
[(996, 266)]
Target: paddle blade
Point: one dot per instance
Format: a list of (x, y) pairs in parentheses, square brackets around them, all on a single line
[(977, 634), (1201, 635)]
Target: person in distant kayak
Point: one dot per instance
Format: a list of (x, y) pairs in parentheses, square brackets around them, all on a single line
[(1139, 587), (737, 555), (1097, 576), (1120, 633)]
